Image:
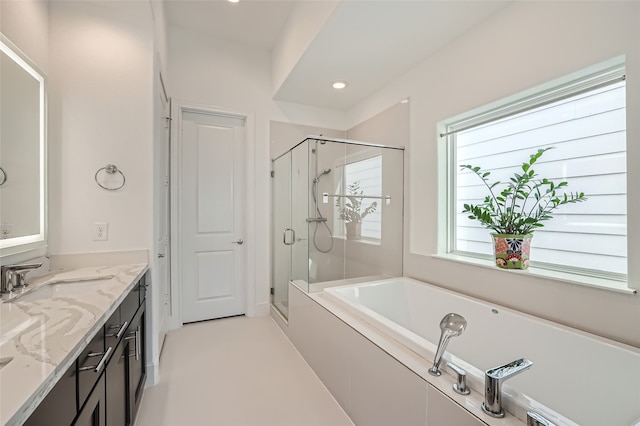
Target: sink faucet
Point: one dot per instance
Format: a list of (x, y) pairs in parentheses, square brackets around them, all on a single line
[(493, 379), (13, 276)]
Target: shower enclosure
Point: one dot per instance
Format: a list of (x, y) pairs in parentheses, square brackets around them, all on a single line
[(337, 208)]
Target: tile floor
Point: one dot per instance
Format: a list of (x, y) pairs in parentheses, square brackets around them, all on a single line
[(236, 372)]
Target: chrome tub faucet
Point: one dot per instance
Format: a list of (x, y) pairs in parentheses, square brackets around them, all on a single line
[(451, 325), (493, 379)]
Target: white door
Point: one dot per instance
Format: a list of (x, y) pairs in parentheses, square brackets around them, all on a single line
[(212, 216), (163, 207)]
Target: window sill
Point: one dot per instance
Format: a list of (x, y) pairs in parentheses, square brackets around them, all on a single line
[(600, 283)]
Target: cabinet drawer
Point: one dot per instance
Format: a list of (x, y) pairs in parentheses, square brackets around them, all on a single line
[(114, 329), (90, 359), (130, 305)]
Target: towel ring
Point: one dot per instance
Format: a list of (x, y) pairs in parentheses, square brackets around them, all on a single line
[(110, 170), (3, 176)]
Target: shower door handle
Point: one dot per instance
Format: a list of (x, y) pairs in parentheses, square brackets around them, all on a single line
[(284, 237)]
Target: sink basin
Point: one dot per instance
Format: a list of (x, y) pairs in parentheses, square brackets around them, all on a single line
[(60, 288)]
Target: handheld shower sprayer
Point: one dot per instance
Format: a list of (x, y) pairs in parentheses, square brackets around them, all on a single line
[(324, 172), (451, 325)]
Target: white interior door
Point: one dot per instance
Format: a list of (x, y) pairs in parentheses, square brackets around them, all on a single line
[(163, 207), (212, 216)]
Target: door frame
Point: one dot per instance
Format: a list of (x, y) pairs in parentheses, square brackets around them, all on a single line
[(177, 109)]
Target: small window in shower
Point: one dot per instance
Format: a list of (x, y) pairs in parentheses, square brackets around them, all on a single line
[(363, 181)]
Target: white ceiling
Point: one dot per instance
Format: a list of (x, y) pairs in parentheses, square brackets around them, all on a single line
[(367, 43)]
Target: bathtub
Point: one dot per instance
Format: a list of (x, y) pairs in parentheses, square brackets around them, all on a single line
[(579, 378)]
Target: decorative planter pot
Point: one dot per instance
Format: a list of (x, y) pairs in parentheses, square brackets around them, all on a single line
[(354, 230), (512, 251)]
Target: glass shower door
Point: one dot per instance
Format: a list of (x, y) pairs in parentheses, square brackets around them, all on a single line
[(283, 235)]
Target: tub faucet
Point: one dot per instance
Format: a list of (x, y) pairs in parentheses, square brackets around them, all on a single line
[(493, 379), (451, 325)]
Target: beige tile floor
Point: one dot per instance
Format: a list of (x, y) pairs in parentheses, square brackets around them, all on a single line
[(236, 372)]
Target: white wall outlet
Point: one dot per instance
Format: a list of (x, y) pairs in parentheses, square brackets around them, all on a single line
[(100, 231), (6, 231)]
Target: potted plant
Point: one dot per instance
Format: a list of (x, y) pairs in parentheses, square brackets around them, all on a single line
[(517, 210), (351, 211)]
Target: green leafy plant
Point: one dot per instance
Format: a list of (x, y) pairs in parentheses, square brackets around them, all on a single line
[(523, 203), (351, 211)]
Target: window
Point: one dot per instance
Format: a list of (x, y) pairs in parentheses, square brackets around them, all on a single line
[(584, 120), (367, 174)]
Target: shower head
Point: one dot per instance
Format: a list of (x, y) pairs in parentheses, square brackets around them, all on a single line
[(322, 173)]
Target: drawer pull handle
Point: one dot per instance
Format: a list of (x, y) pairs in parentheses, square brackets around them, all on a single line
[(136, 336), (120, 331), (96, 368)]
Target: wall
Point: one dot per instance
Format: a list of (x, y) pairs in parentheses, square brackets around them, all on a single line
[(510, 52), (26, 24), (100, 113)]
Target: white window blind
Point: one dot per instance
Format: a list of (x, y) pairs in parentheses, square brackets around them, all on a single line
[(588, 133), (368, 173)]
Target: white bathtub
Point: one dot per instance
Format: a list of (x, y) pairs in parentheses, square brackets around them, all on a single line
[(587, 379)]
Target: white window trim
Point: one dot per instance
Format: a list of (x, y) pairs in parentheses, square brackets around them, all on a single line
[(446, 176)]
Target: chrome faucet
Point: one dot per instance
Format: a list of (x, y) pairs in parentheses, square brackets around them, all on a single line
[(493, 379), (451, 325), (13, 276)]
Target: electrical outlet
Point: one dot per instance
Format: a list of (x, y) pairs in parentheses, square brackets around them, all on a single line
[(100, 231), (6, 230)]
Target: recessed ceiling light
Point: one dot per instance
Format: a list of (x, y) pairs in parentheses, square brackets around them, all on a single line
[(233, 1), (404, 101), (339, 84)]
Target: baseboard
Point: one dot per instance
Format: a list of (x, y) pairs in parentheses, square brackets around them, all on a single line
[(261, 310), (153, 374)]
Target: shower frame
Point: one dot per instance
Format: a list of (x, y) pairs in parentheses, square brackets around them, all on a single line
[(309, 243)]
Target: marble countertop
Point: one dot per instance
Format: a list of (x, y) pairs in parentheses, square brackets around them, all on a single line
[(45, 329)]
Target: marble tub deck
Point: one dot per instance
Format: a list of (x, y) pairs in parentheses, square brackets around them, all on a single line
[(43, 336)]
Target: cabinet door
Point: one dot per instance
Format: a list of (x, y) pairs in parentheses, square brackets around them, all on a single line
[(136, 362), (93, 413), (60, 406), (117, 395)]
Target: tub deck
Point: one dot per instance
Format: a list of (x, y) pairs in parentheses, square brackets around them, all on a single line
[(576, 377)]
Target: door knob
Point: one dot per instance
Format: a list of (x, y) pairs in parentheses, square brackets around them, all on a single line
[(239, 242)]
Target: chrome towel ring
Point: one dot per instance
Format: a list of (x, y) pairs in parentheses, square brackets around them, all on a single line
[(3, 176), (111, 172)]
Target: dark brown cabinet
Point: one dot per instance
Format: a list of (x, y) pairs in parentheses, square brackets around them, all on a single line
[(136, 362), (60, 406), (116, 377), (104, 385), (93, 412)]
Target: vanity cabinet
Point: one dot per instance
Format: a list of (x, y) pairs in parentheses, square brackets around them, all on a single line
[(104, 384), (116, 382), (61, 405), (93, 410), (136, 355)]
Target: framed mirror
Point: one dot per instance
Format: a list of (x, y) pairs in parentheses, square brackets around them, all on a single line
[(22, 152)]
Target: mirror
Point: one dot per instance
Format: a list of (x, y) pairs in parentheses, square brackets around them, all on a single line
[(22, 151)]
